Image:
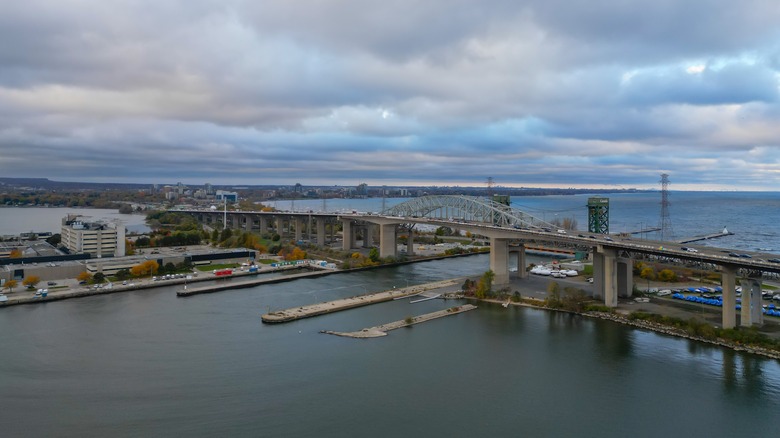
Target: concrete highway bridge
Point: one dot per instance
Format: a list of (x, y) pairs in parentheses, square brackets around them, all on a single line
[(510, 230)]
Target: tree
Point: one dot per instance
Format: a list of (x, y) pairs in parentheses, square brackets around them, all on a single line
[(31, 281), (84, 276), (122, 274), (15, 254), (10, 284), (485, 284), (215, 236), (126, 209), (647, 273), (553, 292), (99, 277), (373, 255), (148, 267), (667, 275)]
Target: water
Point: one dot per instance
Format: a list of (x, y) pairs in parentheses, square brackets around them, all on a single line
[(149, 364), (15, 220)]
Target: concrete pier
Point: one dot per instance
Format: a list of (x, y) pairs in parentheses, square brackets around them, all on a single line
[(295, 313), (381, 330)]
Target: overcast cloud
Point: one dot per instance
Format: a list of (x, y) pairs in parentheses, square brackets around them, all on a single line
[(532, 93)]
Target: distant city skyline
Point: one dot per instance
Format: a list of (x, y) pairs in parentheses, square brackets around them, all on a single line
[(533, 93)]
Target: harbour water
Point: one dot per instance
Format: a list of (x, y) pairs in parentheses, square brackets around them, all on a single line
[(146, 363)]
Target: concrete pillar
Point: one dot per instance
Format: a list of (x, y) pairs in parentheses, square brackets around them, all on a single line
[(368, 236), (605, 276), (279, 225), (625, 277), (499, 255), (309, 229), (298, 228), (263, 222), (321, 231), (347, 234), (729, 275), (751, 303), (387, 245), (410, 242), (248, 222), (522, 272)]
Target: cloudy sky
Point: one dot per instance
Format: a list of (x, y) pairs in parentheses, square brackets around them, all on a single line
[(603, 93)]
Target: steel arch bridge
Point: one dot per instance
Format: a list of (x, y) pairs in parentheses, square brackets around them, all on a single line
[(467, 209)]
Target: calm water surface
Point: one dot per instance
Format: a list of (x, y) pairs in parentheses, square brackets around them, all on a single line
[(149, 364)]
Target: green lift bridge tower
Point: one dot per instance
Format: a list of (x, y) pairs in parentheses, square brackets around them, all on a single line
[(598, 215)]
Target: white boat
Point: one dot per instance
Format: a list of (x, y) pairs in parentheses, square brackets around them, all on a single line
[(505, 304)]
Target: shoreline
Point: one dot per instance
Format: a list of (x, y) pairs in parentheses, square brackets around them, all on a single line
[(646, 325)]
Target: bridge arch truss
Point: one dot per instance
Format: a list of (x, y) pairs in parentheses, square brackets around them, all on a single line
[(467, 209)]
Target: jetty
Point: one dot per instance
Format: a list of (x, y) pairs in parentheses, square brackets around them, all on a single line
[(381, 330), (308, 311), (233, 283), (723, 233)]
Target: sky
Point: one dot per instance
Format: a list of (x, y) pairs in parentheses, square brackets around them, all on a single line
[(531, 93)]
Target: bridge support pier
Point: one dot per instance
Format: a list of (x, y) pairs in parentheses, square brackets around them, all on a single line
[(298, 229), (751, 303), (604, 276), (410, 242), (729, 275), (321, 231), (263, 222), (368, 236), (347, 235), (625, 277), (522, 272), (248, 223), (499, 255), (387, 245)]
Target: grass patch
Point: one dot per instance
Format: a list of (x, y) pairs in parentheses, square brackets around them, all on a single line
[(206, 268), (266, 261)]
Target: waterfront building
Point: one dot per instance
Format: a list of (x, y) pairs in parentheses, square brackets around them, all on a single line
[(98, 239), (226, 196)]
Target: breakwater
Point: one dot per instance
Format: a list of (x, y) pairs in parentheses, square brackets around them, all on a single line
[(295, 313), (381, 330)]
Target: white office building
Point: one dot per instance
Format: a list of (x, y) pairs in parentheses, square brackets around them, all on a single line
[(97, 239)]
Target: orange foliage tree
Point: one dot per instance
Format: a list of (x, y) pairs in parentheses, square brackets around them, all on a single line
[(148, 267)]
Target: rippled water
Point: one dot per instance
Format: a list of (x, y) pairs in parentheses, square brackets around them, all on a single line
[(147, 363)]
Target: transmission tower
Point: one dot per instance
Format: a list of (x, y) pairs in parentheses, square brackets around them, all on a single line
[(490, 184), (666, 220)]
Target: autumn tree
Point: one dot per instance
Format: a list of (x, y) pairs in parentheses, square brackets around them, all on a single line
[(667, 275), (485, 284), (148, 267), (84, 276), (10, 284), (31, 281), (15, 254)]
